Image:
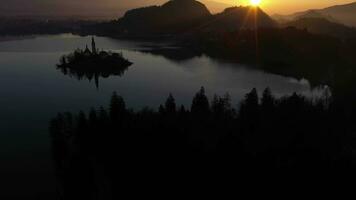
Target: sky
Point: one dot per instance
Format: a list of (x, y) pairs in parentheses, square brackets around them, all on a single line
[(291, 6), (117, 7)]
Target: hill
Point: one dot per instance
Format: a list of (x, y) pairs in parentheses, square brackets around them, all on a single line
[(236, 18), (300, 15), (84, 9), (212, 5), (345, 14), (323, 26), (183, 16), (173, 16)]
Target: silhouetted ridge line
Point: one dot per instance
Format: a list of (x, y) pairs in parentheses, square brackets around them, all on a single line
[(172, 17), (179, 17), (344, 14), (323, 26), (237, 18)]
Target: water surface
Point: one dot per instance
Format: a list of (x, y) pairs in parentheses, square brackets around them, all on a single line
[(33, 91)]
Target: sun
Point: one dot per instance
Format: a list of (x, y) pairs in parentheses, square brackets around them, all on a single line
[(255, 2)]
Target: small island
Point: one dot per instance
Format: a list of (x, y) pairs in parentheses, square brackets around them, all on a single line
[(93, 63)]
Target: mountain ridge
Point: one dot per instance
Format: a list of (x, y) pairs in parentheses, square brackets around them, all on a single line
[(345, 14), (242, 17), (172, 16), (106, 9), (323, 26), (179, 16)]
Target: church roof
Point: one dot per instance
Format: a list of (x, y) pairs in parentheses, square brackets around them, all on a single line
[(87, 49)]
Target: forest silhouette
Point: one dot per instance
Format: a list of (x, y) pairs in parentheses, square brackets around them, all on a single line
[(291, 132)]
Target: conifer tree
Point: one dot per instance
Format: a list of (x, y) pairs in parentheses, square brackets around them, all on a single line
[(200, 103), (117, 107), (170, 105)]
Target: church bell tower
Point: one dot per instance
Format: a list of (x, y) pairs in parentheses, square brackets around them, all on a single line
[(93, 46)]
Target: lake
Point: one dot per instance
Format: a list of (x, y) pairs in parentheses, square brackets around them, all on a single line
[(33, 91)]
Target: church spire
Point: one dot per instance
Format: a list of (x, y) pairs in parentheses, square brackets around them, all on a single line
[(87, 51), (93, 46)]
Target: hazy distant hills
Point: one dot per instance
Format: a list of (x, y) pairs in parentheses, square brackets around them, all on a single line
[(181, 16), (300, 15), (337, 21), (323, 26), (345, 14)]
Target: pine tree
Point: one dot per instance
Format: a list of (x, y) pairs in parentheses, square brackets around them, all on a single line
[(268, 101), (117, 107), (170, 104), (251, 99), (200, 103)]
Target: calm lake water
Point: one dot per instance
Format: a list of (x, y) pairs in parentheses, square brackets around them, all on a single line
[(33, 91)]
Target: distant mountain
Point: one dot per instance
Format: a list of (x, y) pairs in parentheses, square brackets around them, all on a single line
[(212, 5), (187, 16), (345, 14), (236, 18), (316, 14), (173, 16), (323, 26), (83, 9), (300, 15)]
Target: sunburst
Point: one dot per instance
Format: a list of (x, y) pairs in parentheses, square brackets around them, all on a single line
[(255, 2)]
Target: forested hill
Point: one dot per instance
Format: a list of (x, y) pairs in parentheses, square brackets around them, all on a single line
[(173, 16), (236, 18), (182, 16)]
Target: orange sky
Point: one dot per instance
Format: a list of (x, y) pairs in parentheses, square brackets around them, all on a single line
[(290, 6), (115, 8)]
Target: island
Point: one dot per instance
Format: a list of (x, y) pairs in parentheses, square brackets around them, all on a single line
[(93, 63)]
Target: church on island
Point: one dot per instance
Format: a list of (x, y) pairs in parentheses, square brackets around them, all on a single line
[(93, 63), (94, 60), (93, 48), (96, 52)]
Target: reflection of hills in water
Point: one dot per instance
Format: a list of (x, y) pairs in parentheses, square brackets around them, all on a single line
[(93, 64), (172, 53)]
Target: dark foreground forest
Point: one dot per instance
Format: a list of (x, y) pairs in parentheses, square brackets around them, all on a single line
[(94, 151)]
